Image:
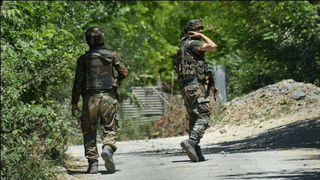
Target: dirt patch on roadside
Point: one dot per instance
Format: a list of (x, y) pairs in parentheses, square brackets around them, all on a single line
[(272, 102)]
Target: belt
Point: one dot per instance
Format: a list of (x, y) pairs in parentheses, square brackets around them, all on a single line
[(99, 93)]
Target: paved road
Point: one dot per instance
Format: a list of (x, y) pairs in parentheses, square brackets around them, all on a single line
[(134, 162)]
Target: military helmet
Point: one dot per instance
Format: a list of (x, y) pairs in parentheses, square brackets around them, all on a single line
[(94, 36), (193, 24)]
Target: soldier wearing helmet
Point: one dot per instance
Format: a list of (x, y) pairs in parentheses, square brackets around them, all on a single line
[(193, 79), (96, 83)]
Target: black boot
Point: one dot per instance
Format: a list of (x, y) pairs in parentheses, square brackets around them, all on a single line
[(189, 145), (93, 166), (199, 154), (107, 156)]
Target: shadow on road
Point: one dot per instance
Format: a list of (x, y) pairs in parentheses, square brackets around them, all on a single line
[(293, 175), (108, 172), (309, 157), (182, 161), (73, 172), (302, 134)]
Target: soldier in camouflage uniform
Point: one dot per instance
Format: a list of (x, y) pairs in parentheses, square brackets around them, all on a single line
[(192, 74), (95, 82)]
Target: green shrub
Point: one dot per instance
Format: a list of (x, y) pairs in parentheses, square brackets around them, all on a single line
[(33, 138), (130, 129)]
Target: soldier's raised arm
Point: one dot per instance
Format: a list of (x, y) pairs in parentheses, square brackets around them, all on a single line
[(209, 45)]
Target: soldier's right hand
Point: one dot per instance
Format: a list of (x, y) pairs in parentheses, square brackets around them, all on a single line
[(115, 83), (207, 79), (74, 108), (195, 34)]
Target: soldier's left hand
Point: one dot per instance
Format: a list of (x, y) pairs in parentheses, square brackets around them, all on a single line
[(74, 108)]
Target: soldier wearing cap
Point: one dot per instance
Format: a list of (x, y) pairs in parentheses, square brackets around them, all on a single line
[(96, 83), (193, 80)]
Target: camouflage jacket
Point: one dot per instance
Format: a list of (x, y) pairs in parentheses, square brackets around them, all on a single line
[(191, 62), (79, 81)]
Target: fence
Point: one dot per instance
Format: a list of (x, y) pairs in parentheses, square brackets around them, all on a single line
[(150, 107), (220, 80)]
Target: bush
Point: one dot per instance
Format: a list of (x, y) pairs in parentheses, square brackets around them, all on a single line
[(131, 130), (33, 138), (174, 122)]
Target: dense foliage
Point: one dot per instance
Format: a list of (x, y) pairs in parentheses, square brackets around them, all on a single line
[(259, 43), (37, 52), (272, 41)]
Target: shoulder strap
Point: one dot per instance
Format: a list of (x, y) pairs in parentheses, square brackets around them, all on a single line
[(101, 58)]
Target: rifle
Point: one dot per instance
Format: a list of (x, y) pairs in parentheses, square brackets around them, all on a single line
[(210, 84)]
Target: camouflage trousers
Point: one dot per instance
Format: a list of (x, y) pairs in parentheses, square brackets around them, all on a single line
[(198, 108), (99, 107)]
